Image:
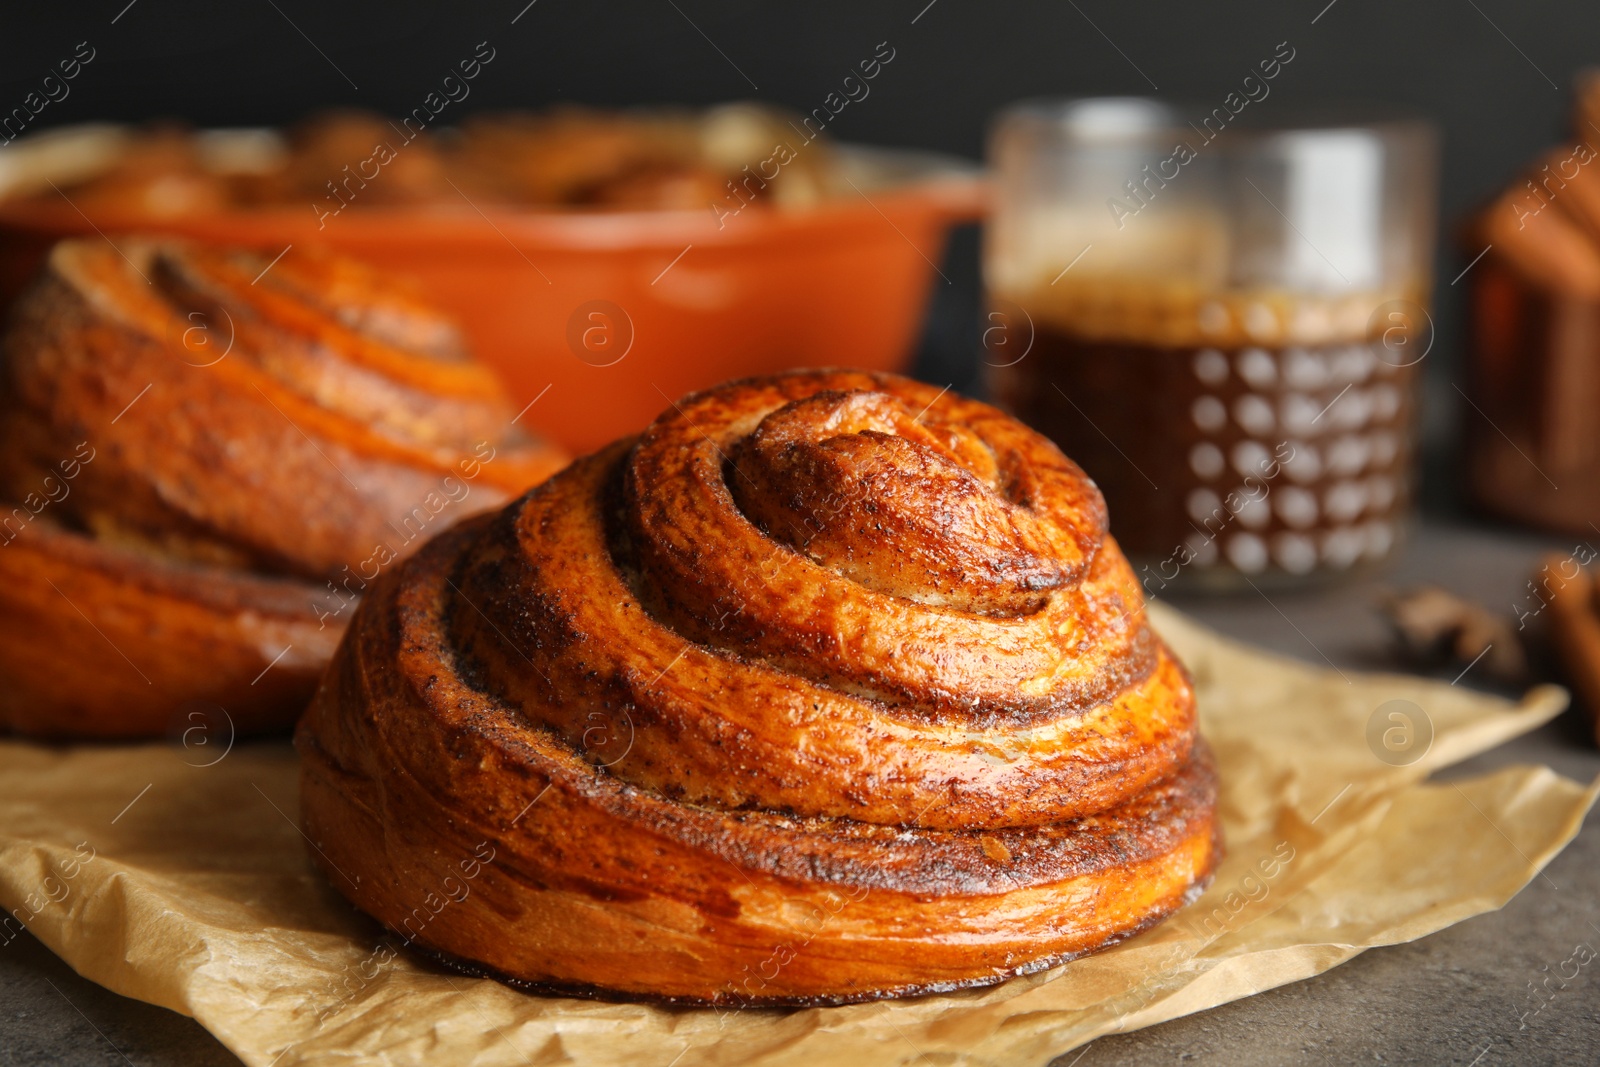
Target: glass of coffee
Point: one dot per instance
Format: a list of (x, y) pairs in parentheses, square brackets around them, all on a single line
[(1221, 322)]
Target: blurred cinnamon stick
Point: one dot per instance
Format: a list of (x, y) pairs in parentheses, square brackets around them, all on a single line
[(1575, 630)]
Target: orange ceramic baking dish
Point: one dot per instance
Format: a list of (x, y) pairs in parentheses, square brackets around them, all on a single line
[(607, 316)]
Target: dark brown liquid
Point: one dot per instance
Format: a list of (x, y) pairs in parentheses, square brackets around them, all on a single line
[(1291, 460)]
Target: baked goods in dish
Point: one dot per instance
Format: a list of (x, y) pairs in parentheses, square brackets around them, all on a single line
[(827, 687), (563, 158), (205, 456)]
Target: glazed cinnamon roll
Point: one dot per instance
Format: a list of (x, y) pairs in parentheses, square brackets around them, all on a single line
[(205, 456), (827, 687)]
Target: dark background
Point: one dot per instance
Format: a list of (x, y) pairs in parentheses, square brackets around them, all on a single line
[(1495, 75)]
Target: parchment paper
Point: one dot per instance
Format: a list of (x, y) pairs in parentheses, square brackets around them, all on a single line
[(176, 874)]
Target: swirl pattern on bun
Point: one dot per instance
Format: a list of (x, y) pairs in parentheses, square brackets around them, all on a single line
[(205, 454), (827, 687)]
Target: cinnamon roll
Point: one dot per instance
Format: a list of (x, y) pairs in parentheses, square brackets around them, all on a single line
[(205, 455), (827, 687)]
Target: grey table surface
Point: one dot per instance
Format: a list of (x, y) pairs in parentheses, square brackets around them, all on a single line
[(1456, 997)]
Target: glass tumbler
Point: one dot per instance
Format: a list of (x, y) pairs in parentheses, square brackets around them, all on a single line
[(1221, 322)]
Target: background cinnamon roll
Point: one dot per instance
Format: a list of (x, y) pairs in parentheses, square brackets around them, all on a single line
[(828, 687), (205, 456)]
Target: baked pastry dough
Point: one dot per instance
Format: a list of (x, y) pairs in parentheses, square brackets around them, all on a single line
[(828, 687), (205, 456)]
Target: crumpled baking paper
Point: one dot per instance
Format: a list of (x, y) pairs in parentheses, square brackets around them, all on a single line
[(176, 874)]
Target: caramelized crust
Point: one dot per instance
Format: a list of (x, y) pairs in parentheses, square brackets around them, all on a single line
[(207, 454), (827, 687), (195, 636)]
